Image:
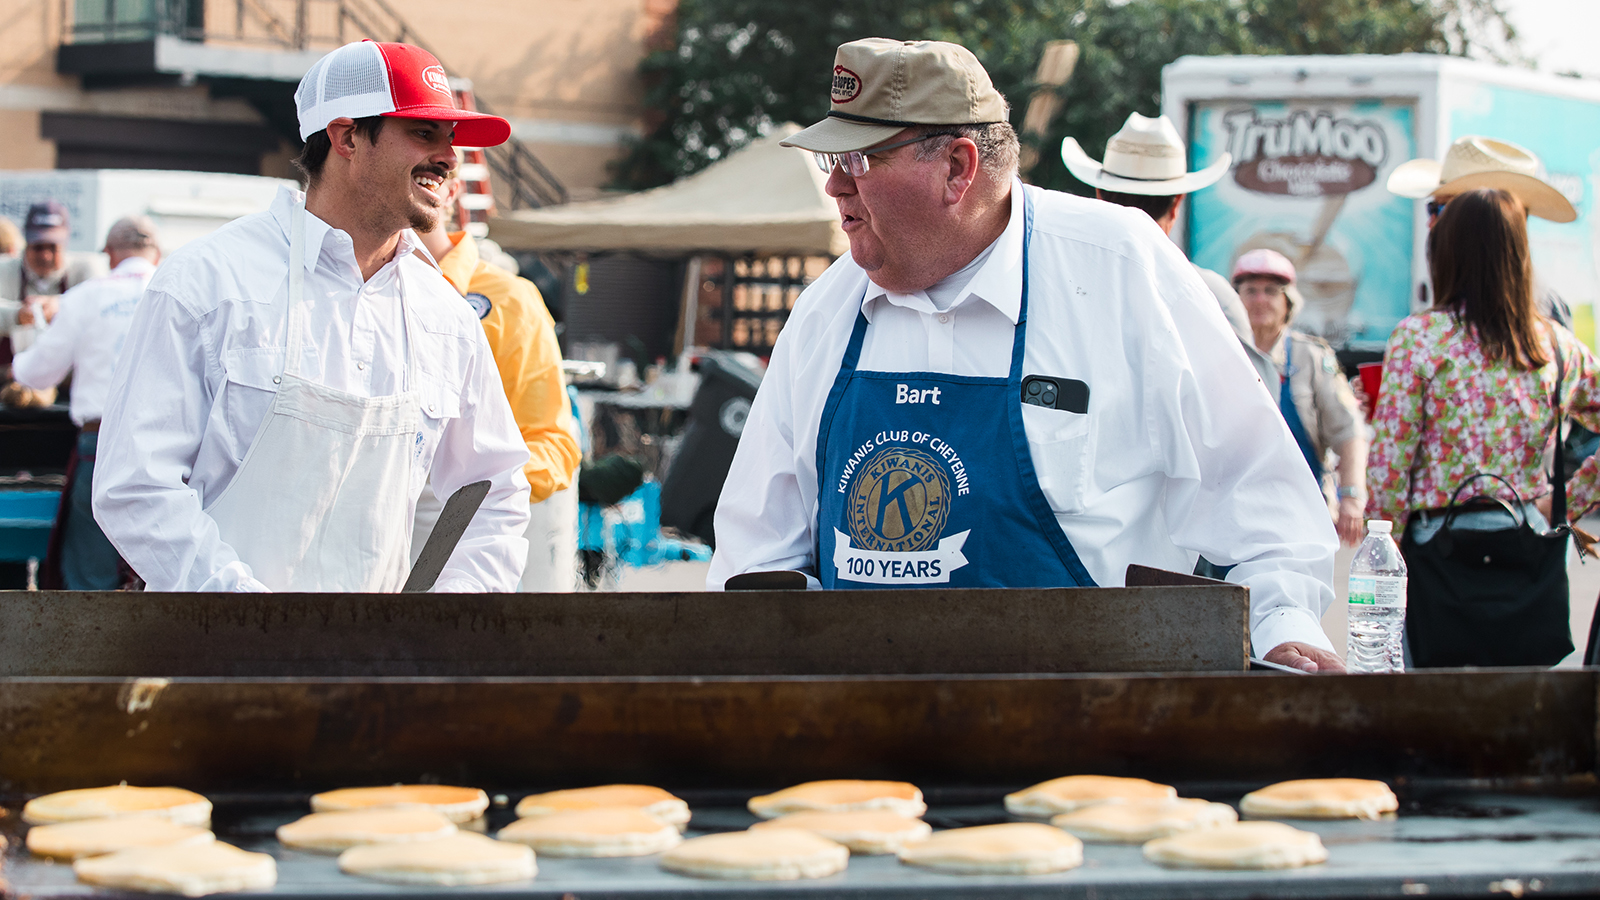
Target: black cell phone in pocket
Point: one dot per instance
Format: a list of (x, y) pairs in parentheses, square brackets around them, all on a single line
[(1066, 394)]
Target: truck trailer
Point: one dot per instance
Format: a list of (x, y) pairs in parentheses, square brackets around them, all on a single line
[(1314, 139)]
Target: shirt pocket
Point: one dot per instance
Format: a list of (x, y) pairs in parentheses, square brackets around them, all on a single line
[(1060, 446), (253, 375), (439, 397)]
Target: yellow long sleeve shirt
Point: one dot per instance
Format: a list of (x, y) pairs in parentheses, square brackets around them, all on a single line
[(522, 337)]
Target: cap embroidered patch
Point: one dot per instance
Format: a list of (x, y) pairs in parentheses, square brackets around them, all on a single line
[(846, 85), (480, 304), (435, 77)]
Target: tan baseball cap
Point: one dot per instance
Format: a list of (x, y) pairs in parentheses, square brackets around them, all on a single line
[(881, 87)]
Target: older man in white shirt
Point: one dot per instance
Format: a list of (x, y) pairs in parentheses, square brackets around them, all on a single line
[(85, 339), (292, 380), (1003, 387)]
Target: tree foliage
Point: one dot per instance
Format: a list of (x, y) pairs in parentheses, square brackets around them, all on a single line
[(740, 67)]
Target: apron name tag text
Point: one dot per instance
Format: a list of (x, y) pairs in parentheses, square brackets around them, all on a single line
[(907, 394)]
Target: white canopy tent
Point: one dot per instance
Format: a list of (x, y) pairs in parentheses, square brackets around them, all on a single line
[(764, 199)]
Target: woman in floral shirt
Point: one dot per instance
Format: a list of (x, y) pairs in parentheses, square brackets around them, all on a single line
[(1467, 384)]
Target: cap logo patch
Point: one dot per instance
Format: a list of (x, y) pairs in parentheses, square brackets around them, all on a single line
[(846, 85), (435, 78)]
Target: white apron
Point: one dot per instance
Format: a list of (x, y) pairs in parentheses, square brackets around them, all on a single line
[(322, 499)]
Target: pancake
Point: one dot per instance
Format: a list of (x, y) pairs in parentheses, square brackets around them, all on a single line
[(653, 800), (192, 871), (1242, 845), (461, 858), (865, 831), (181, 806), (1137, 821), (1063, 795), (96, 837), (1013, 848), (841, 796), (1321, 798), (773, 854), (604, 831), (336, 832), (458, 804)]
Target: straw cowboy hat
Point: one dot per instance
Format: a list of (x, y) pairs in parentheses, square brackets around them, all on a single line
[(1146, 157), (1479, 162)]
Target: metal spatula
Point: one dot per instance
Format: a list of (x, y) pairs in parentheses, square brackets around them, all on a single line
[(458, 512)]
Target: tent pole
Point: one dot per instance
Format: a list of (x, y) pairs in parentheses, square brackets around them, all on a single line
[(690, 312)]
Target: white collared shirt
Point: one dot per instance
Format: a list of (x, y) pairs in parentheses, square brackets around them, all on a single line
[(196, 377), (85, 338), (1181, 452)]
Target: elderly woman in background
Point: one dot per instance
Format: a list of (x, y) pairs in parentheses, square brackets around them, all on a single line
[(1312, 392), (1467, 383)]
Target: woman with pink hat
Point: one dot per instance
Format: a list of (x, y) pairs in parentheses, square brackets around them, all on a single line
[(1312, 392)]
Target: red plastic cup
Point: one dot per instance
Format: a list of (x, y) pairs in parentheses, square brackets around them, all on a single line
[(1371, 380)]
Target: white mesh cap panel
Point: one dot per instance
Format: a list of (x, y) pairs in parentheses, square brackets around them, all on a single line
[(352, 81)]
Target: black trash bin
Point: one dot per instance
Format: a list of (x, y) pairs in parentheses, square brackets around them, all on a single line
[(716, 419)]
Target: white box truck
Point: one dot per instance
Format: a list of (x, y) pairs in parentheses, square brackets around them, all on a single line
[(1314, 139), (184, 205)]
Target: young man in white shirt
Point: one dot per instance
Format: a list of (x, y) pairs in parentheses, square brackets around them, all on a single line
[(1001, 386), (292, 380), (84, 339)]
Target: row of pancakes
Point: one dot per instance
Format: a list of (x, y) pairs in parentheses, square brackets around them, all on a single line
[(811, 829), (157, 839)]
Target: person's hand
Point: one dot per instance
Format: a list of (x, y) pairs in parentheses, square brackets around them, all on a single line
[(1306, 658), (47, 306), (1363, 402), (1352, 527)]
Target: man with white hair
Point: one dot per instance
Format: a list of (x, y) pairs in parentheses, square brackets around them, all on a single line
[(293, 379), (85, 339), (1001, 386)]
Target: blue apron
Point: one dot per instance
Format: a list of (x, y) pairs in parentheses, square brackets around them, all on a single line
[(1292, 416), (915, 489)]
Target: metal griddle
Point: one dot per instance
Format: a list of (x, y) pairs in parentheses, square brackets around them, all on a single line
[(719, 698), (1456, 843)]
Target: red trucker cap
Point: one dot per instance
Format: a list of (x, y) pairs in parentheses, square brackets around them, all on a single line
[(368, 78)]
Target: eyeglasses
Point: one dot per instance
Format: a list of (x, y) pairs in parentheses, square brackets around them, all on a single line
[(855, 161), (1436, 206), (1269, 289)]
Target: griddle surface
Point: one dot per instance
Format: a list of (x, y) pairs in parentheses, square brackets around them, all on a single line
[(1446, 844)]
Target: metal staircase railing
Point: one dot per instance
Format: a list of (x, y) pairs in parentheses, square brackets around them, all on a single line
[(299, 25)]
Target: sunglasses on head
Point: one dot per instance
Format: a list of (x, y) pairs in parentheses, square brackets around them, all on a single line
[(1436, 206), (855, 162)]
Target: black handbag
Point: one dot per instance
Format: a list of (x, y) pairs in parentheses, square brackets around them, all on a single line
[(1491, 598)]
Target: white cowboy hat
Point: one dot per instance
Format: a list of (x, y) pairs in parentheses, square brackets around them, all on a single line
[(1480, 162), (1146, 157)]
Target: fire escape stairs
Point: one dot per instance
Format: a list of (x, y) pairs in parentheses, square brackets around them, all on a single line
[(286, 25), (528, 182)]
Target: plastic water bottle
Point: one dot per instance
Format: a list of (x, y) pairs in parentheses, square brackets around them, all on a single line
[(1377, 603)]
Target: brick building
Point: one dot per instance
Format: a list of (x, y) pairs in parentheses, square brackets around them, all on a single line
[(207, 84)]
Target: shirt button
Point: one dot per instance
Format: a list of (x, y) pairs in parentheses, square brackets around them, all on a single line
[(943, 319), (277, 380), (361, 365)]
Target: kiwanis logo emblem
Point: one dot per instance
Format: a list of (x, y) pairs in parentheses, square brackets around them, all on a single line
[(899, 502)]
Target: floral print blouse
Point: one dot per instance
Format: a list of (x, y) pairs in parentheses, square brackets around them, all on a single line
[(1446, 412)]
